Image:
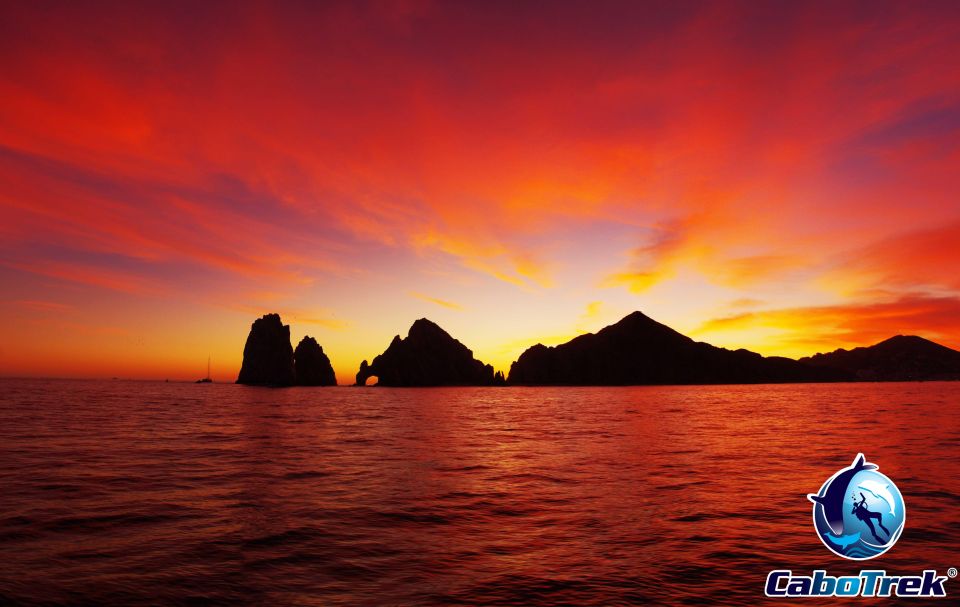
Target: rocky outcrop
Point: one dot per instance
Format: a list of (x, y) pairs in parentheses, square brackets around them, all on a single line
[(900, 358), (267, 355), (638, 350), (312, 366), (428, 356)]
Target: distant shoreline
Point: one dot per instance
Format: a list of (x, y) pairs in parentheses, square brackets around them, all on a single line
[(523, 386)]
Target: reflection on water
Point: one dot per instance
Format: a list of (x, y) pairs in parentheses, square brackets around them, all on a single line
[(123, 492)]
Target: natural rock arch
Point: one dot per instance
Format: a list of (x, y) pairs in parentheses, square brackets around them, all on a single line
[(428, 356), (364, 374)]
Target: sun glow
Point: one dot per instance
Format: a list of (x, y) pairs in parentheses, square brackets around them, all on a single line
[(170, 175)]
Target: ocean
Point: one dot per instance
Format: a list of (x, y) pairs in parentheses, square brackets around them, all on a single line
[(126, 492)]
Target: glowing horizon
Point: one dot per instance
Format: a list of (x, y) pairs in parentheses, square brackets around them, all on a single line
[(780, 178)]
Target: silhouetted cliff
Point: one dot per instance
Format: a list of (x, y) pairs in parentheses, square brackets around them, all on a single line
[(267, 355), (312, 366), (428, 356), (900, 358), (637, 350)]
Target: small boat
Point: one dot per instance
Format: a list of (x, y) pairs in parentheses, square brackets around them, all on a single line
[(207, 379)]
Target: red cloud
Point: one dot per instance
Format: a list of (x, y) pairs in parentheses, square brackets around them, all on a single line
[(168, 149), (853, 324)]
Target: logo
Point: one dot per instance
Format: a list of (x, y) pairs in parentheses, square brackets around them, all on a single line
[(858, 513), (870, 582)]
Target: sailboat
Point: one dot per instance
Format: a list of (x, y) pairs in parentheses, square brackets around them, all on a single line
[(207, 379)]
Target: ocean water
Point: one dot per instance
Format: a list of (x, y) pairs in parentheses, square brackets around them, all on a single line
[(117, 492)]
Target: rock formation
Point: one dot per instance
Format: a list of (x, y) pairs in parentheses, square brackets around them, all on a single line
[(428, 356), (312, 365), (638, 350), (634, 351), (900, 358), (267, 355)]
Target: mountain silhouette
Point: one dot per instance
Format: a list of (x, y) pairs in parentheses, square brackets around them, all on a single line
[(900, 358), (312, 366), (428, 356), (638, 350)]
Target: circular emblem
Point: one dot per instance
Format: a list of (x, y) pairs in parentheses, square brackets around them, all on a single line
[(858, 513)]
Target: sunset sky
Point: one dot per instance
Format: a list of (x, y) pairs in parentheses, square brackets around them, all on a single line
[(781, 176)]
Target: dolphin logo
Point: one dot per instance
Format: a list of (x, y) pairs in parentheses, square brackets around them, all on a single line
[(844, 540), (881, 491), (833, 494)]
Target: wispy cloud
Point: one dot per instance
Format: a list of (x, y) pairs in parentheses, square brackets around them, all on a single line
[(848, 324), (96, 276), (329, 323), (295, 316), (435, 300), (43, 306), (227, 169)]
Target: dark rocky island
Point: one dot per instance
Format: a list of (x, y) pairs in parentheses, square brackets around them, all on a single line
[(312, 366), (269, 360), (638, 351), (900, 358), (267, 355), (634, 351), (428, 356)]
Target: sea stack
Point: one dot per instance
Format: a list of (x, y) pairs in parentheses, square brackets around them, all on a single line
[(428, 356), (312, 366), (268, 355)]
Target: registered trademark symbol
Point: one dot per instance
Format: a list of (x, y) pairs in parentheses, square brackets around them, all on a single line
[(952, 572)]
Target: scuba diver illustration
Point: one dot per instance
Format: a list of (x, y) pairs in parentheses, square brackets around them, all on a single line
[(861, 512), (875, 521)]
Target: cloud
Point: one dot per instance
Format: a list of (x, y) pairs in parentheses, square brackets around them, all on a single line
[(719, 126), (346, 150), (440, 302), (594, 312), (44, 306), (53, 205), (745, 302), (754, 269), (511, 265), (707, 243), (654, 261), (850, 324), (295, 316), (926, 257), (329, 323), (89, 275)]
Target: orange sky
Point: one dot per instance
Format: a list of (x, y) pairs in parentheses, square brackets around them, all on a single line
[(777, 176)]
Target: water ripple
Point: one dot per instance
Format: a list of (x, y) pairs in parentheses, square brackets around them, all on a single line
[(119, 493)]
